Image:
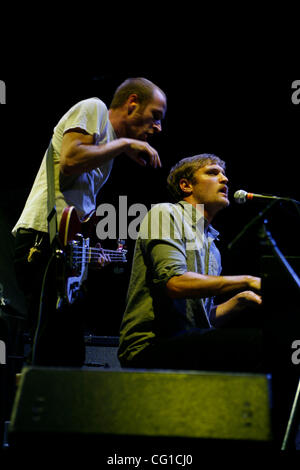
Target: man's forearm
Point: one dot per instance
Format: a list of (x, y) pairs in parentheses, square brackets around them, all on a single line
[(79, 153), (81, 157), (192, 284)]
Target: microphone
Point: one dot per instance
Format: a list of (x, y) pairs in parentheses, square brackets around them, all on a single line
[(242, 196)]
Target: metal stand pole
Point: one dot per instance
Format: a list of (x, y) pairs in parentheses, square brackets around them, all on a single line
[(292, 423)]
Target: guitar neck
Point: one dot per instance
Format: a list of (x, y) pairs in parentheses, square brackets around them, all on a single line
[(116, 256)]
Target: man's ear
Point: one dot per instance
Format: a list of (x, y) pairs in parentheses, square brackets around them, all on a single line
[(132, 103), (185, 186)]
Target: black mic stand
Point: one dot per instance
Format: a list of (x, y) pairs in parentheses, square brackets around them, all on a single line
[(267, 240), (252, 222), (291, 429), (266, 236), (260, 215)]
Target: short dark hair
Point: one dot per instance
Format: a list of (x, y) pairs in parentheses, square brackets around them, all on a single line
[(143, 87), (186, 168)]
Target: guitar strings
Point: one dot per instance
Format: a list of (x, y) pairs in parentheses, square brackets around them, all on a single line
[(97, 250), (78, 253), (95, 254), (100, 254), (97, 257), (95, 261)]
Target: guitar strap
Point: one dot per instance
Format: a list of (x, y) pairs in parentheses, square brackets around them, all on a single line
[(52, 216), (52, 231)]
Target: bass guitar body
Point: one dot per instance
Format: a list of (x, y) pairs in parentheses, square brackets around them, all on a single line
[(77, 254)]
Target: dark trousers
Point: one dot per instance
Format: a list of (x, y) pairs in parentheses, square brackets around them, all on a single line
[(57, 335), (231, 349)]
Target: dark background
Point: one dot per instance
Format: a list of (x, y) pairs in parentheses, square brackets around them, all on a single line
[(247, 120)]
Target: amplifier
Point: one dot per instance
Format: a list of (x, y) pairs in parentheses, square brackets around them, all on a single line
[(138, 403), (101, 351)]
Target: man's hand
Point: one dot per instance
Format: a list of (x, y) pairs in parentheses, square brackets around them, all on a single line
[(103, 259), (254, 283), (235, 306), (245, 299), (141, 152)]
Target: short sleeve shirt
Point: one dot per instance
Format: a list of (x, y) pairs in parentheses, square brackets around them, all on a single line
[(91, 116)]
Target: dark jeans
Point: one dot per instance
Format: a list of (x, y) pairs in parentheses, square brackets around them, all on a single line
[(231, 349), (58, 336)]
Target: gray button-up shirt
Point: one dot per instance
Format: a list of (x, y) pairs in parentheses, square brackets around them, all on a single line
[(173, 239)]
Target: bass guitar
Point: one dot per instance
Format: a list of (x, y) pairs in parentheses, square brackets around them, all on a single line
[(77, 254)]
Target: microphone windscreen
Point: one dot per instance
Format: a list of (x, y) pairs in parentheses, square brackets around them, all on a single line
[(240, 196)]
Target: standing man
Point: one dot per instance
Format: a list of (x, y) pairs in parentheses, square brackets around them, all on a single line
[(85, 143), (170, 320)]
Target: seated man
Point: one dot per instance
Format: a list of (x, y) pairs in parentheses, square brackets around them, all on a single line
[(170, 319)]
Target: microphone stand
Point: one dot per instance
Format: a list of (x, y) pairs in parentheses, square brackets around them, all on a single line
[(291, 428), (267, 239), (252, 222), (266, 235), (260, 215)]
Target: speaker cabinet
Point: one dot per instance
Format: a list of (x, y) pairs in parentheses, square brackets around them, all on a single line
[(137, 403)]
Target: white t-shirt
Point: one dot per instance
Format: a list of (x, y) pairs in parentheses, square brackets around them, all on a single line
[(90, 115)]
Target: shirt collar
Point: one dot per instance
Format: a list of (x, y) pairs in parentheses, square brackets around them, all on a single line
[(197, 219)]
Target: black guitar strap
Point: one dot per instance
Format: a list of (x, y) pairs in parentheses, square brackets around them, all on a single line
[(52, 231), (52, 216)]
